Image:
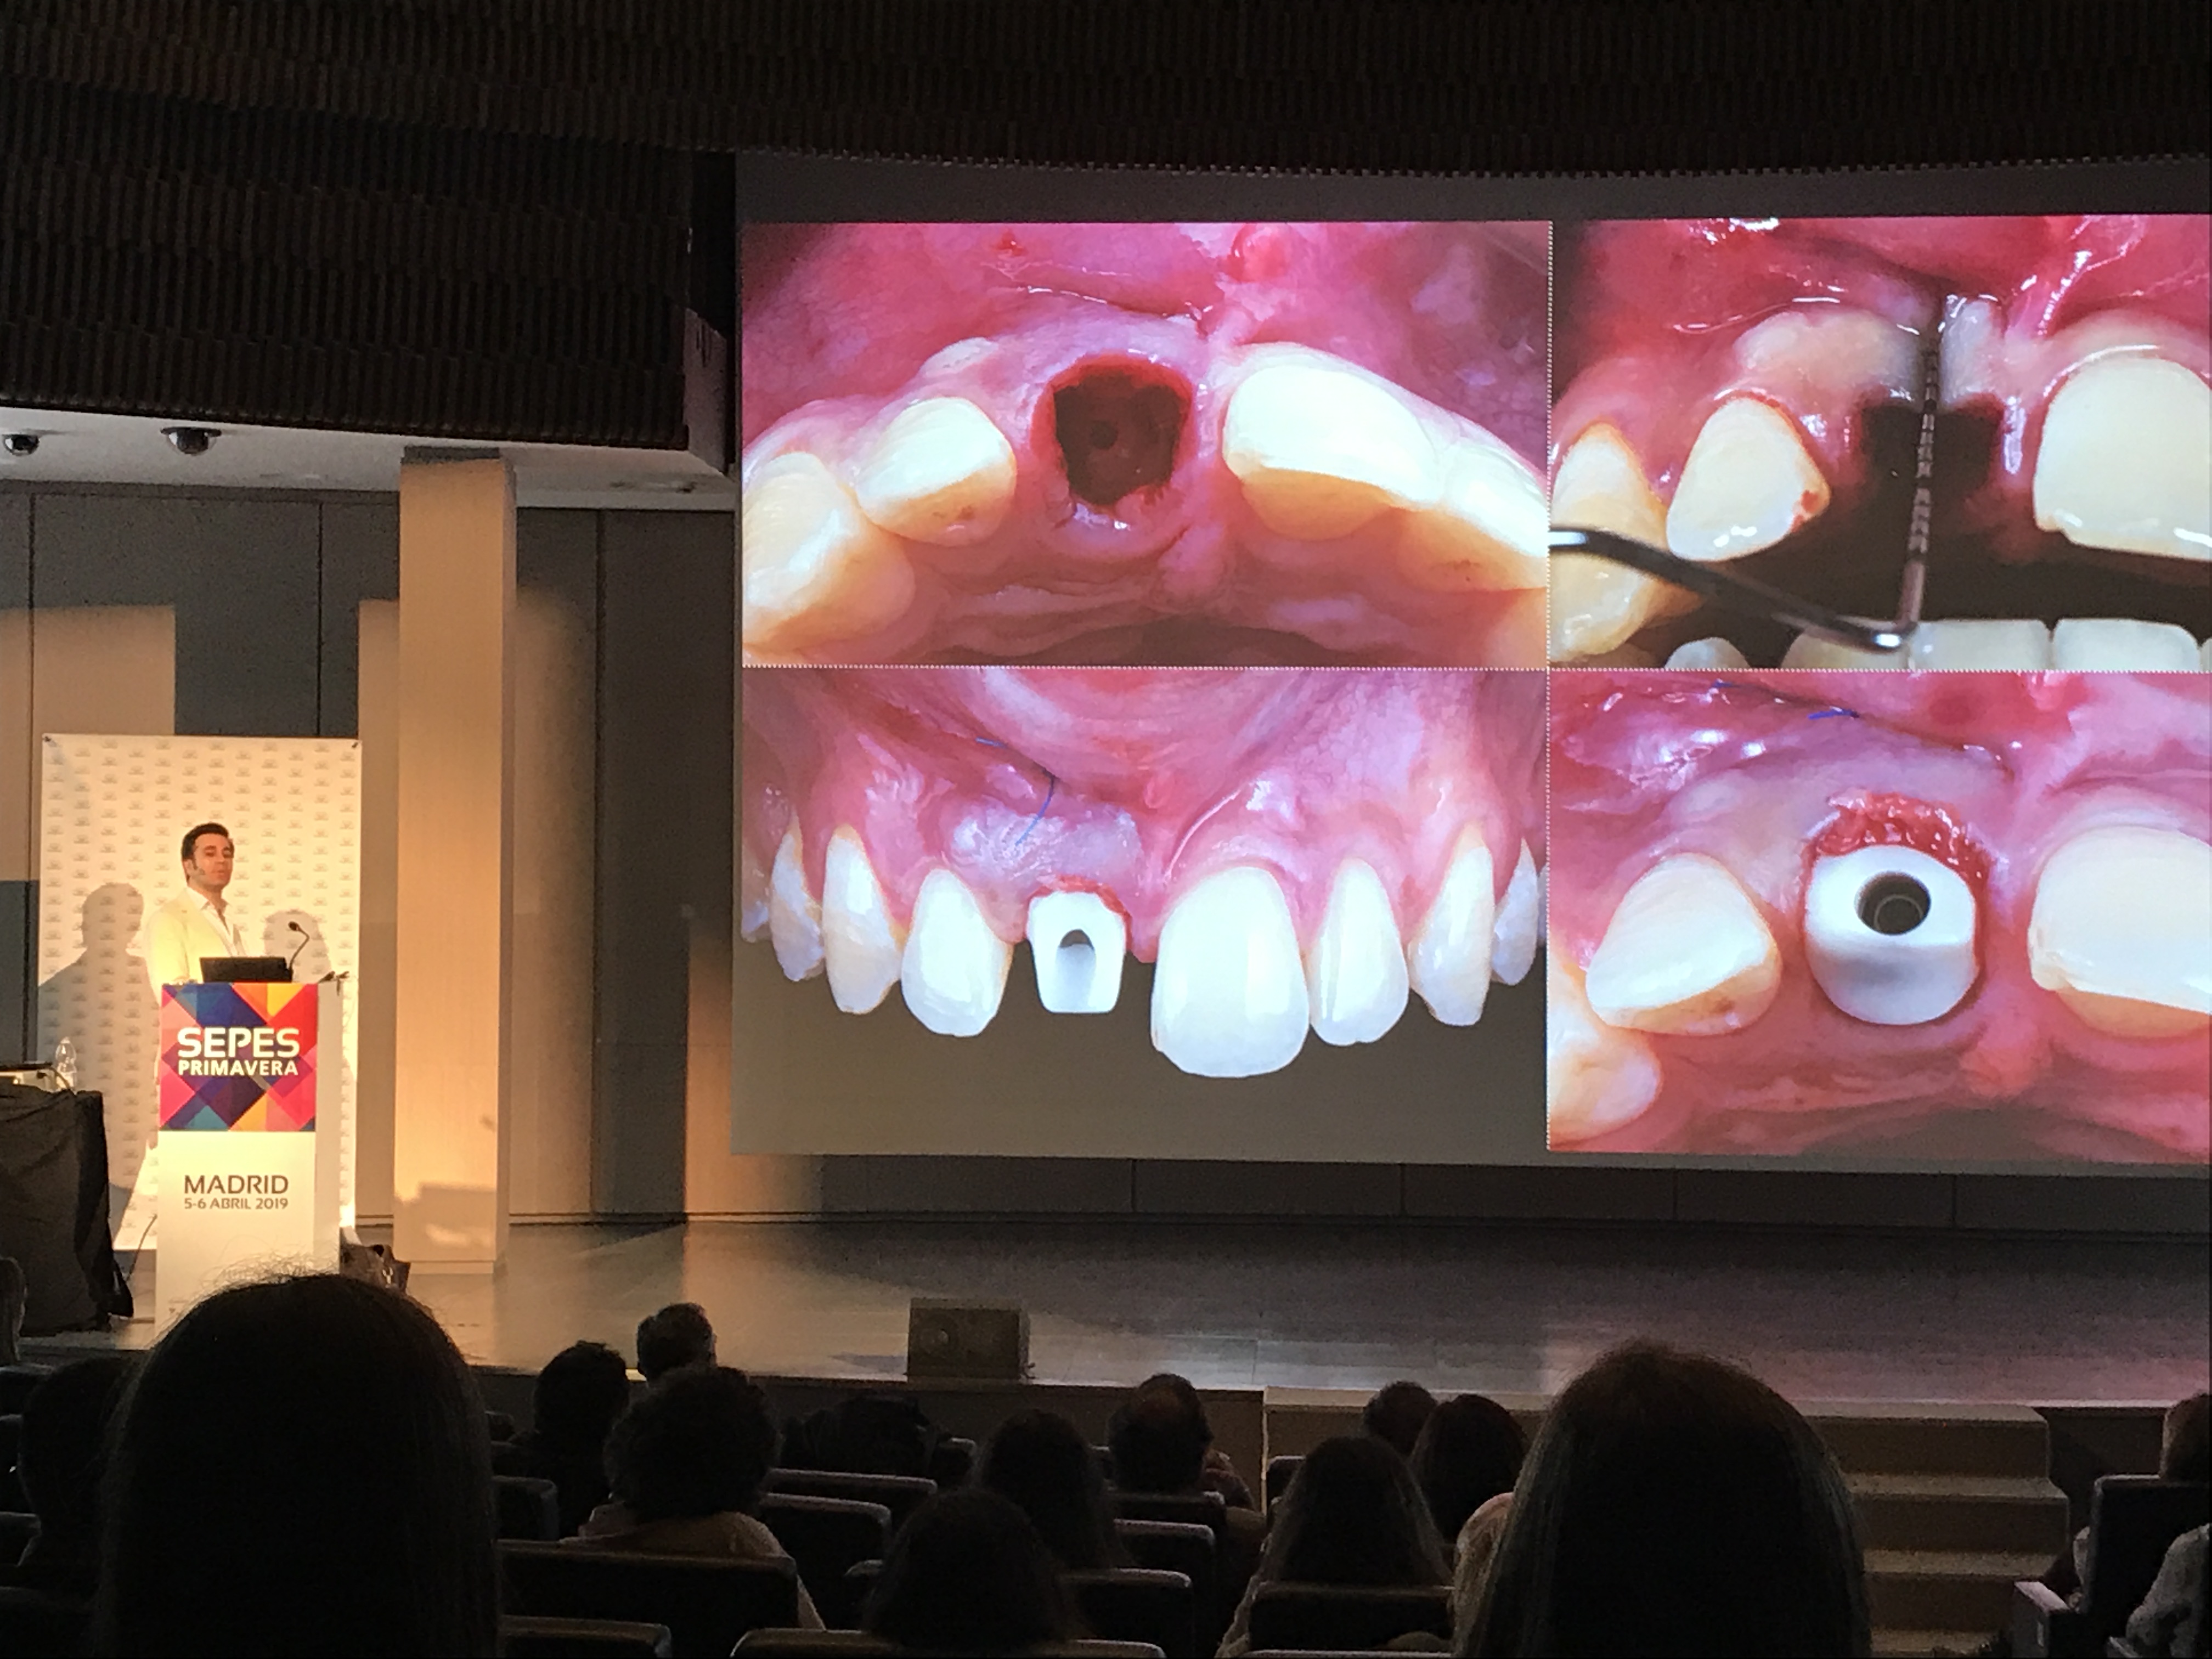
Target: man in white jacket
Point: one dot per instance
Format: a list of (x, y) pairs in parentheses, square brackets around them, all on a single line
[(196, 923)]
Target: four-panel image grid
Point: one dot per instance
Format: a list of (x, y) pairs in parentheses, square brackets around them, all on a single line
[(1761, 664)]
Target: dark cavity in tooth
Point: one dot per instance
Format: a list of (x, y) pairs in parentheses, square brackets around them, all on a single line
[(1118, 427), (1893, 904)]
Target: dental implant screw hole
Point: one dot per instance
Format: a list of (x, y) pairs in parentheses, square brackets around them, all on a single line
[(1893, 904), (1076, 953)]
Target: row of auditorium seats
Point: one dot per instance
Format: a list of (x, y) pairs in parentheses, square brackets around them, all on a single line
[(2133, 1518)]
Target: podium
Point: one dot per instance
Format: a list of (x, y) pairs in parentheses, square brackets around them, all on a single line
[(249, 1182)]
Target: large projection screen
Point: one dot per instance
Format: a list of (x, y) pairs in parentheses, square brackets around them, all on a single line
[(1167, 729)]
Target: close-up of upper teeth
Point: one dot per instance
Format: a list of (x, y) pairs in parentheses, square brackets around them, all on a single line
[(1233, 991), (836, 528), (2017, 645)]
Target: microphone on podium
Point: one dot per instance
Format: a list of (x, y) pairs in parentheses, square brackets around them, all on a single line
[(294, 962)]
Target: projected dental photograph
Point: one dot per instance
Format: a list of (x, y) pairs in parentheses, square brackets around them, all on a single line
[(1246, 867), (1749, 395), (1162, 443), (1965, 916)]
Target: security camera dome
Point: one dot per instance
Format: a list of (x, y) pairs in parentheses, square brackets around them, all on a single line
[(190, 439)]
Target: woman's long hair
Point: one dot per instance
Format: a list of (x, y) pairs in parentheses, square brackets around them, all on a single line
[(1353, 1516), (1672, 1503), (299, 1467), (1042, 1463), (969, 1574)]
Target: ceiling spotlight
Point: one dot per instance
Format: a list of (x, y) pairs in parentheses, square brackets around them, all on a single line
[(19, 446), (191, 439)]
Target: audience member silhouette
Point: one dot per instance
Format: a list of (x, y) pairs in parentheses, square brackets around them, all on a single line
[(1396, 1413), (969, 1574), (1352, 1515), (1672, 1503), (1159, 1441), (581, 1391), (680, 1335), (1469, 1450), (686, 1462), (1040, 1462), (299, 1467), (58, 1460), (2172, 1620)]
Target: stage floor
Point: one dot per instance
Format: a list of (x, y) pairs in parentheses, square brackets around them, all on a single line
[(1822, 1316)]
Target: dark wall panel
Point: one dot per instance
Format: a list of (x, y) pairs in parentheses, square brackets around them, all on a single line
[(667, 621), (243, 574), (360, 561)]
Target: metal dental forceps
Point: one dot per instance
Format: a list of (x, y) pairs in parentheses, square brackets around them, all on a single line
[(1724, 587)]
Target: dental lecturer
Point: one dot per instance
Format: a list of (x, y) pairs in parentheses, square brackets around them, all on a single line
[(196, 923)]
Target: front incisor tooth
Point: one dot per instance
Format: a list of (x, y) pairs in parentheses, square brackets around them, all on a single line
[(2019, 645), (1486, 530), (1520, 921), (1687, 953), (2126, 458), (815, 569), (1356, 971), (2090, 643), (861, 945), (794, 914), (1448, 960), (953, 971), (1597, 605), (1321, 449), (1078, 943), (2122, 930), (940, 472), (1714, 656), (1809, 651), (1228, 993), (1749, 482), (1596, 1078)]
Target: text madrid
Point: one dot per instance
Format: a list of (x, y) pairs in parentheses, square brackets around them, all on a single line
[(207, 1185)]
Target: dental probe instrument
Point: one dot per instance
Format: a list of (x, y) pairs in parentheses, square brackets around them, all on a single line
[(1750, 596)]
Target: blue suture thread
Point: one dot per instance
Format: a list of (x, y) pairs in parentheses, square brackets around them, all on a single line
[(1834, 713), (1051, 788)]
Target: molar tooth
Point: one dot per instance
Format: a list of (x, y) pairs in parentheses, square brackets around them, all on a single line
[(1228, 995), (1808, 650), (1448, 961), (815, 569), (2022, 644), (794, 914), (1078, 943), (860, 943), (1320, 449), (1520, 922), (1356, 972), (1486, 530), (2122, 930), (752, 894), (1597, 605), (1749, 482), (2126, 458), (1687, 953), (954, 968), (1715, 655), (941, 472), (1596, 1078), (2114, 642)]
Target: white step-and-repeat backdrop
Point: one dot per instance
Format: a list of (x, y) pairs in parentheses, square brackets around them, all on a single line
[(114, 813)]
